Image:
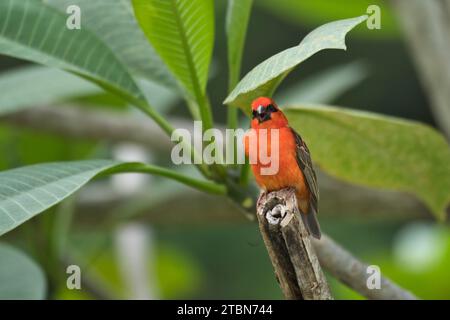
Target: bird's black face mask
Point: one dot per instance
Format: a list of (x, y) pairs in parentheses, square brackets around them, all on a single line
[(263, 113)]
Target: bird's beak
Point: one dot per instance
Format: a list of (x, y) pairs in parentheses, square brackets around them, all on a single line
[(262, 114), (260, 110)]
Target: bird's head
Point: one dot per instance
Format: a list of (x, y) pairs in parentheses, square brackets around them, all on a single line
[(265, 112)]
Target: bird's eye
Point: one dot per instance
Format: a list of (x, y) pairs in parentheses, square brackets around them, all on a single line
[(254, 114), (271, 108)]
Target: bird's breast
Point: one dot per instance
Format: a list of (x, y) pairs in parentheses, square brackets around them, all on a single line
[(278, 151)]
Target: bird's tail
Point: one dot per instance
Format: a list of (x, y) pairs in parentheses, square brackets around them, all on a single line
[(311, 223)]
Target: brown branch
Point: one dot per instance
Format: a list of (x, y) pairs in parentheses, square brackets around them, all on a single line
[(293, 255), (345, 267), (287, 241)]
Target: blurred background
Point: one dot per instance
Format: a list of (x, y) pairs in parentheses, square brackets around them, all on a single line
[(144, 237)]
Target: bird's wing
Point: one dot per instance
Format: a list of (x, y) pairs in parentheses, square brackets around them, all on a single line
[(304, 162)]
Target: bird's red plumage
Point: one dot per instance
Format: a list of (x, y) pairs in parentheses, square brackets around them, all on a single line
[(289, 174)]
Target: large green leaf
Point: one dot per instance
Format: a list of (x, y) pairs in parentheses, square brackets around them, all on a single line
[(182, 32), (378, 151), (115, 24), (35, 31), (27, 191), (265, 77), (35, 86), (20, 277), (238, 15)]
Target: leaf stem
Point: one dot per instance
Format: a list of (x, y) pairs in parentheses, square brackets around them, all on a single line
[(167, 128), (245, 174), (193, 109), (158, 118), (203, 185), (199, 92), (205, 110), (232, 117)]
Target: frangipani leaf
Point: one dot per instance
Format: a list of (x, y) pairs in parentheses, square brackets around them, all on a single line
[(377, 151), (182, 32), (20, 277), (115, 24), (27, 191), (238, 15), (35, 31), (265, 77)]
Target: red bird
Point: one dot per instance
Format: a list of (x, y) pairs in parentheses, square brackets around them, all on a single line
[(295, 165)]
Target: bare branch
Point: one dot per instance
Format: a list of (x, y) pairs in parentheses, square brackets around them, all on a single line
[(287, 241), (345, 267), (294, 259)]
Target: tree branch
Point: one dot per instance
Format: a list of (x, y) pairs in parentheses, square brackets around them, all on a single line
[(294, 259), (345, 267), (287, 241)]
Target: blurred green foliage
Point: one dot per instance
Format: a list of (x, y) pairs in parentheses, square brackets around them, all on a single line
[(230, 261), (378, 151), (317, 12), (233, 264), (20, 276)]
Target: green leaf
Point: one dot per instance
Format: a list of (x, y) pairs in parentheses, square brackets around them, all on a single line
[(265, 78), (35, 31), (238, 15), (182, 32), (27, 191), (36, 86), (378, 151), (325, 87), (115, 24), (20, 277)]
